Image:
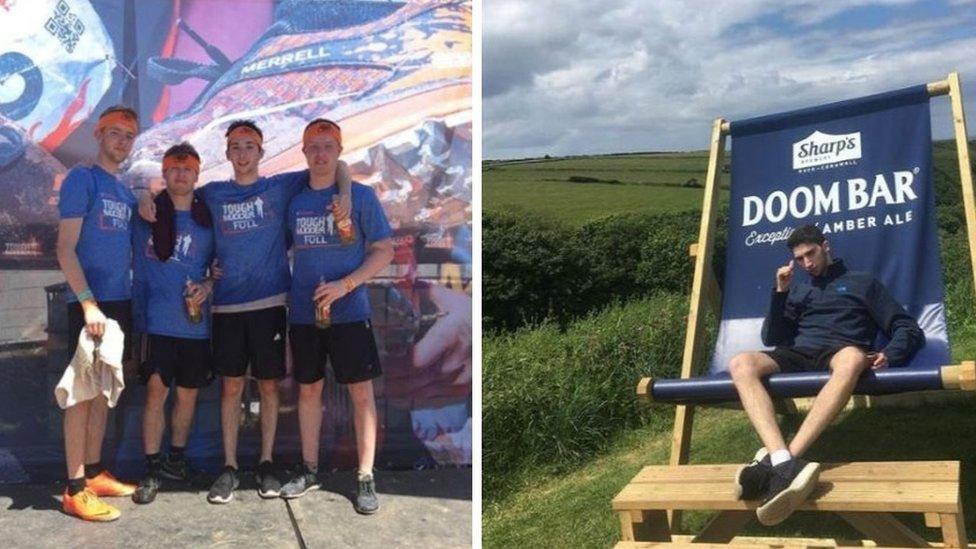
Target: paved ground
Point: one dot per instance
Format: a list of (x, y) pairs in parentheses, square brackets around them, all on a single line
[(418, 509)]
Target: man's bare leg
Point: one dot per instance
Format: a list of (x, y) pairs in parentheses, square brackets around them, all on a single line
[(310, 420), (153, 417), (182, 419), (364, 418), (269, 416), (97, 418), (747, 371), (230, 416), (75, 433), (846, 367)]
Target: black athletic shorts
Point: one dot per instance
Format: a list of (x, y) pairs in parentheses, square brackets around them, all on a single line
[(252, 337), (793, 359), (119, 311), (184, 360), (350, 348)]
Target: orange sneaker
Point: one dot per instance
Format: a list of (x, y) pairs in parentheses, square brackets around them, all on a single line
[(86, 506), (105, 485)]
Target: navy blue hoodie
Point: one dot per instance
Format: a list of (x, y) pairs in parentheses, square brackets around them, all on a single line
[(838, 309)]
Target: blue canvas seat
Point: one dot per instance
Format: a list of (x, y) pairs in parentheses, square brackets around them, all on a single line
[(862, 171)]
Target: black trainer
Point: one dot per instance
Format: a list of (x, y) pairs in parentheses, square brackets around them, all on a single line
[(147, 489), (268, 484), (176, 468), (789, 485), (366, 501), (301, 484), (752, 480), (223, 488)]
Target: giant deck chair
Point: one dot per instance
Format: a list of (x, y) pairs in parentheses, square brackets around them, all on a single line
[(840, 166)]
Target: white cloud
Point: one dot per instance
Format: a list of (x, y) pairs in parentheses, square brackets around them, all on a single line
[(571, 77)]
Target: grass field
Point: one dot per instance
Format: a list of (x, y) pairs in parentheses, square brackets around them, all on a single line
[(638, 183)]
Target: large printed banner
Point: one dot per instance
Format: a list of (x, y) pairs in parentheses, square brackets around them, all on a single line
[(861, 170), (395, 75)]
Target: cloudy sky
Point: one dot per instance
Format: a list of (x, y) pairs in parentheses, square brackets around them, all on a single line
[(575, 77)]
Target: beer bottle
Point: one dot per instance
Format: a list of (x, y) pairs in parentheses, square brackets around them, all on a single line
[(193, 311), (346, 234), (323, 312)]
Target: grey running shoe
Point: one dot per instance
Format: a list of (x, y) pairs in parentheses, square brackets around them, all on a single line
[(223, 488), (752, 480), (366, 501), (302, 483), (789, 485), (147, 489), (268, 484), (176, 468)]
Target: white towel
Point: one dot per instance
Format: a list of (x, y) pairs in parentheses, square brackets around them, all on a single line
[(94, 370)]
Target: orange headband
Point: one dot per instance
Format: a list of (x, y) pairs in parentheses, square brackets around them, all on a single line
[(322, 127), (118, 118), (244, 131), (181, 161)]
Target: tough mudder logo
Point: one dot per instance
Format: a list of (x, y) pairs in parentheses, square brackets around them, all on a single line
[(826, 150), (115, 215), (313, 230), (244, 216)]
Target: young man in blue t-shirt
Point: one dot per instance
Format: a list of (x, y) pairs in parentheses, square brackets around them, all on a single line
[(249, 317), (335, 254), (94, 251), (171, 288)]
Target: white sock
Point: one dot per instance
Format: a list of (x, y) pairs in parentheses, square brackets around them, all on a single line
[(780, 456)]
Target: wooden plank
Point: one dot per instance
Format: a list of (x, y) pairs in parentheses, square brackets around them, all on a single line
[(684, 415), (645, 525), (914, 497), (626, 526), (965, 170), (907, 471), (884, 528), (723, 527), (954, 529), (933, 520)]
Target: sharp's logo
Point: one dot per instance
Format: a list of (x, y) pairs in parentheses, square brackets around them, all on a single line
[(820, 149)]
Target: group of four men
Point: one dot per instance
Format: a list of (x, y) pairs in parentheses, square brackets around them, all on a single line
[(212, 287)]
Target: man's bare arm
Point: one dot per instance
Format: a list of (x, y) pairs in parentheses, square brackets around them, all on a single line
[(69, 230)]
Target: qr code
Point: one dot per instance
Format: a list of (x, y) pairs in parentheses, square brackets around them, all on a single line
[(65, 26)]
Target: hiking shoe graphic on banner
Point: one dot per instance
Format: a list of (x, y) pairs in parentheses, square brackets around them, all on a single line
[(376, 68)]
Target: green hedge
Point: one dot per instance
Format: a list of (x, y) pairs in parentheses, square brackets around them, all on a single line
[(535, 270), (552, 398)]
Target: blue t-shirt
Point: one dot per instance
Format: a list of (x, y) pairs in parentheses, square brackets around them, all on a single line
[(249, 233), (160, 287), (319, 254), (105, 244)]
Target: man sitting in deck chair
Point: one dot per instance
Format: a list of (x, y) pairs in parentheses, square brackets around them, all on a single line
[(830, 323)]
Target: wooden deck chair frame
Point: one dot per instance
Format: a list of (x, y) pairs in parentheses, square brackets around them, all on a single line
[(705, 291)]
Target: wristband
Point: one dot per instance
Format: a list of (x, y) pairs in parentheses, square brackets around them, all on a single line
[(85, 295), (348, 284)]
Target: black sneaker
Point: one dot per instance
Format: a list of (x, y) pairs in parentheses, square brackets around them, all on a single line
[(147, 489), (223, 488), (300, 484), (366, 501), (789, 485), (752, 480), (268, 484), (176, 468)]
